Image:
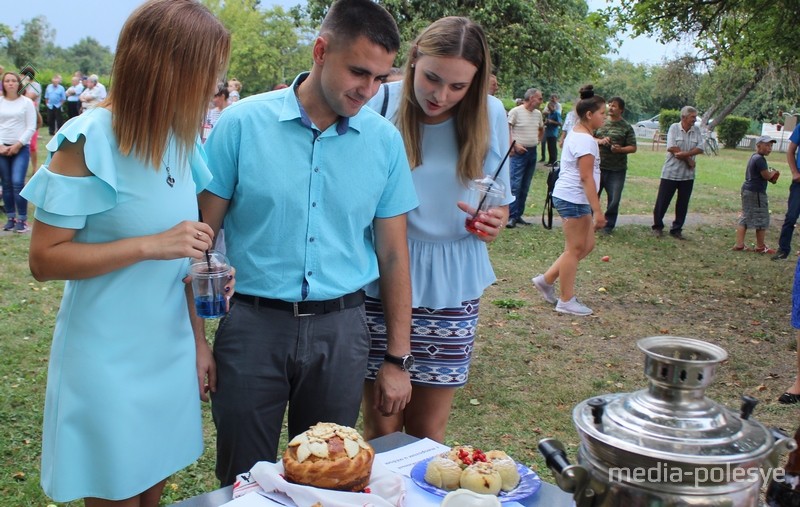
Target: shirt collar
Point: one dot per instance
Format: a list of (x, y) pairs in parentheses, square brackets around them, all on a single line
[(342, 125)]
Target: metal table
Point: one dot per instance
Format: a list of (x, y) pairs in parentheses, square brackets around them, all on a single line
[(547, 496)]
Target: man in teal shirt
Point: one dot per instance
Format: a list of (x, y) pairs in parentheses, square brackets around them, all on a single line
[(314, 190)]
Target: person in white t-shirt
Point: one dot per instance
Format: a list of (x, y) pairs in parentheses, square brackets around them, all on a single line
[(575, 199)]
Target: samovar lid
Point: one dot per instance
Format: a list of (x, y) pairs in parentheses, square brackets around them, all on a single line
[(671, 421)]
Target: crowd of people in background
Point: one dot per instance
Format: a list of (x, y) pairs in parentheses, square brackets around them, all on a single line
[(376, 253)]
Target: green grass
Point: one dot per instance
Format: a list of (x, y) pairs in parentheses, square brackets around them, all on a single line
[(531, 365)]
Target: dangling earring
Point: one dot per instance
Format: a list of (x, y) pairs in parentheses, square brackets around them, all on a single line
[(413, 64)]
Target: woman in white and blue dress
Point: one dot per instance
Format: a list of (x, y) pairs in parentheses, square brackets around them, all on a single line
[(453, 132), (117, 217)]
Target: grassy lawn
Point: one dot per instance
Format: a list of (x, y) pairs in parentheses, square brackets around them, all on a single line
[(531, 365)]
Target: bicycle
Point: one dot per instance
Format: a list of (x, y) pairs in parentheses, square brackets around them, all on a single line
[(710, 144)]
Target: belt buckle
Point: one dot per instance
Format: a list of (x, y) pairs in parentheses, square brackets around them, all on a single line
[(297, 313)]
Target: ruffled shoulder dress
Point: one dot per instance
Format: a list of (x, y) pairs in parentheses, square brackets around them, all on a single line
[(122, 408)]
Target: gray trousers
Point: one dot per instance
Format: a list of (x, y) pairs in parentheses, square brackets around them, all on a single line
[(267, 359)]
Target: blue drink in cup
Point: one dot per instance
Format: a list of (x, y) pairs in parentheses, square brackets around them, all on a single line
[(209, 276)]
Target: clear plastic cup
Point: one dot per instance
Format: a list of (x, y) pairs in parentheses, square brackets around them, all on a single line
[(484, 193), (209, 276)]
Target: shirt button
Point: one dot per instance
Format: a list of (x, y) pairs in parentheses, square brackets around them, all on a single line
[(316, 169), (310, 240), (313, 205), (309, 273)]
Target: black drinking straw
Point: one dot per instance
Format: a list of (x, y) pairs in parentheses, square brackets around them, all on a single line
[(483, 199), (208, 257)]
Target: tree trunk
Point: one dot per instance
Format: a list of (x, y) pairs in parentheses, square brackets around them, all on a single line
[(730, 106)]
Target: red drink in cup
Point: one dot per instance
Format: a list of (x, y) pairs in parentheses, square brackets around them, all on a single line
[(484, 193)]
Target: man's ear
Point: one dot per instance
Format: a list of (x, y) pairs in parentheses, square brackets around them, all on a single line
[(320, 49)]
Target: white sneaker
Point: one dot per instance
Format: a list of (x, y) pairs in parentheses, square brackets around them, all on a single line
[(547, 291), (574, 307)]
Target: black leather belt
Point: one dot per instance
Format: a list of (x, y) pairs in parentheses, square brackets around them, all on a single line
[(304, 308)]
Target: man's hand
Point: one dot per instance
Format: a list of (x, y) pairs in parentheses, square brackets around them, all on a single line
[(392, 390)]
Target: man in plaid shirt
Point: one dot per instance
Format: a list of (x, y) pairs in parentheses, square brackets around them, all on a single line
[(684, 142)]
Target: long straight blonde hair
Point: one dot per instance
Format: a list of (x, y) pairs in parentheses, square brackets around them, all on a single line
[(453, 37), (170, 56)]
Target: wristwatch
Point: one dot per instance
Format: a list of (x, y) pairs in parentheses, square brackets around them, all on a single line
[(404, 362)]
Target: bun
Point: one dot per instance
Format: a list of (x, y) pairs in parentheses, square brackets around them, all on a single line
[(587, 92), (443, 473), (482, 478), (474, 470), (329, 456)]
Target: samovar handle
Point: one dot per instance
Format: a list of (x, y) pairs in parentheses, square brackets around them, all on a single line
[(570, 478)]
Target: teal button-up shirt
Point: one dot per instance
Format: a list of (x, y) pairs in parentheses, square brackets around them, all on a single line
[(302, 201)]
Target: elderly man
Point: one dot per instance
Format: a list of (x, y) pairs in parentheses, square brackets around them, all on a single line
[(527, 129), (92, 94), (684, 143)]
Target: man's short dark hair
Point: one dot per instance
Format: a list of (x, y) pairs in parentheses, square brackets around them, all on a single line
[(619, 101), (347, 20)]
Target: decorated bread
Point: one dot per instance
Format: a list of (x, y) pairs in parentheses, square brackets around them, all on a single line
[(482, 478), (329, 456), (470, 468), (443, 473)]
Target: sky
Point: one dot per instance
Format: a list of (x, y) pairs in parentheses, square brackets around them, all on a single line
[(103, 19)]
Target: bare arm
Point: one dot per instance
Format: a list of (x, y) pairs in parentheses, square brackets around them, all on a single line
[(586, 170), (55, 256), (213, 209), (393, 386)]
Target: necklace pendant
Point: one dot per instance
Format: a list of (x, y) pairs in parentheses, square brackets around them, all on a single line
[(170, 179)]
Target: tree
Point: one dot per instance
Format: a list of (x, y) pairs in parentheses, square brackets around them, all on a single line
[(545, 43), (28, 47), (268, 47), (745, 40), (634, 82), (676, 83), (89, 56)]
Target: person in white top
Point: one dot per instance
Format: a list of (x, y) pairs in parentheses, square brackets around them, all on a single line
[(575, 198), (93, 94), (17, 125)]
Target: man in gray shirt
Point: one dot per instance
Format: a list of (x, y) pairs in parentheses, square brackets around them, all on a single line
[(684, 142)]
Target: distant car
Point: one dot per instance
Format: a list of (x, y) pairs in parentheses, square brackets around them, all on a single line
[(652, 123)]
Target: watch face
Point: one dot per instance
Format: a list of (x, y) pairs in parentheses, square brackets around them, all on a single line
[(408, 362)]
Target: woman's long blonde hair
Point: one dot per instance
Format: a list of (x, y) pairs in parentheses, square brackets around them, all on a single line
[(451, 37), (170, 56)]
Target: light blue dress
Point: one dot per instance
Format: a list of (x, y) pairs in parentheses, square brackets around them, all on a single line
[(449, 265), (122, 408)]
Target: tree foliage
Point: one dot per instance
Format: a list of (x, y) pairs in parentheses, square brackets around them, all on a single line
[(29, 45), (633, 82), (268, 46), (740, 42), (545, 43)]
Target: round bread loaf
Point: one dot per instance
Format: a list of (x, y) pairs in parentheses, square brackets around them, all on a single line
[(329, 456)]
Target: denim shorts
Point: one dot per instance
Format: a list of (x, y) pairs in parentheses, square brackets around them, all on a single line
[(571, 210)]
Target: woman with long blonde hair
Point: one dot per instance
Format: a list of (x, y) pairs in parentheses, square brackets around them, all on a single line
[(454, 132), (117, 218)]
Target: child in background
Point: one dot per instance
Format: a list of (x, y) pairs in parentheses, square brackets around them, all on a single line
[(755, 206)]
